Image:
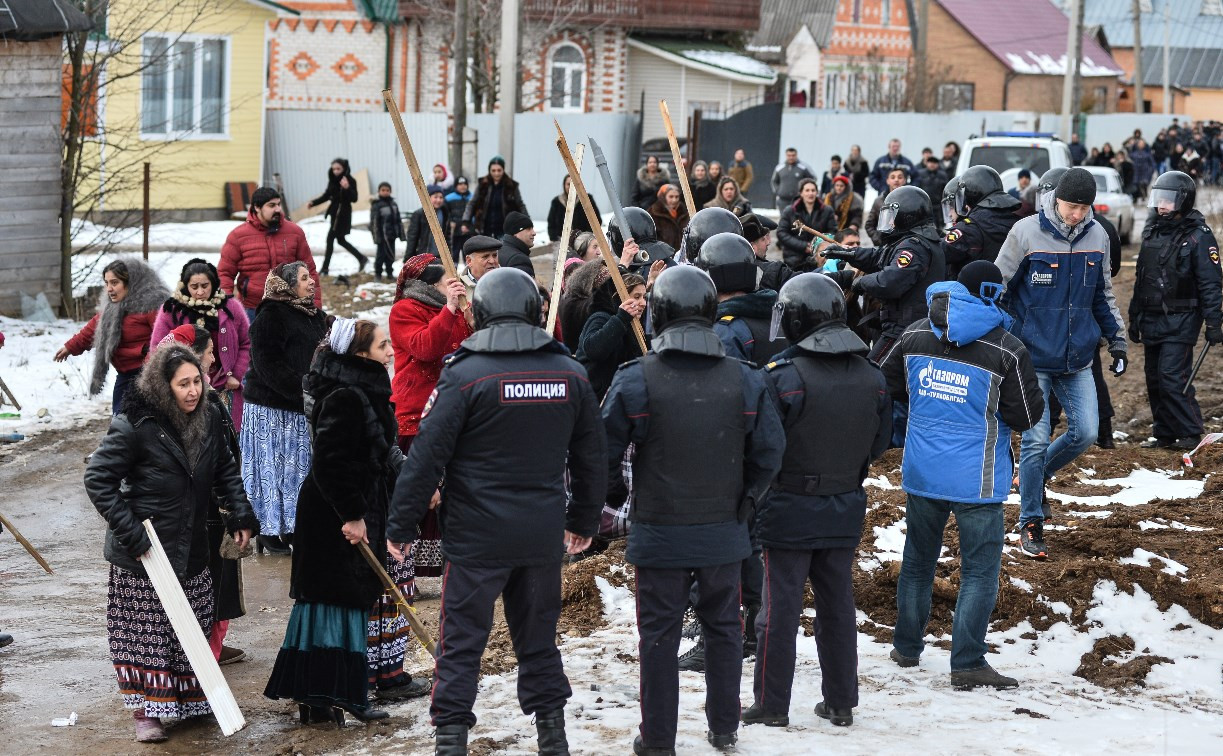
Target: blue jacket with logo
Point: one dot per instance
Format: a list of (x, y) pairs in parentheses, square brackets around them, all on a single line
[(1059, 290), (968, 383)]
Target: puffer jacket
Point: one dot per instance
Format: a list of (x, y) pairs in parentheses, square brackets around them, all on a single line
[(423, 331), (968, 384), (250, 252), (1059, 290), (141, 471)]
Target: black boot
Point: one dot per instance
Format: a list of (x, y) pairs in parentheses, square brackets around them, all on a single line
[(5, 639), (749, 630), (551, 728), (693, 660), (1104, 436), (271, 545), (450, 740)]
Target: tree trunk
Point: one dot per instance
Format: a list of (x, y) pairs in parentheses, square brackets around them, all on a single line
[(68, 168)]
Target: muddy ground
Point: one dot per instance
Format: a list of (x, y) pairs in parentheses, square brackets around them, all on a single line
[(60, 662)]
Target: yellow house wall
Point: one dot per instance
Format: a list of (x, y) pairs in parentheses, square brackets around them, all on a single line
[(1203, 104), (189, 173)]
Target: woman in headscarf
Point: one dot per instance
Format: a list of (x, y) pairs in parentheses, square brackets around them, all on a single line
[(163, 459), (275, 438), (845, 203), (703, 188), (341, 192), (119, 334), (730, 198), (443, 177), (322, 663), (426, 324), (670, 215), (199, 300)]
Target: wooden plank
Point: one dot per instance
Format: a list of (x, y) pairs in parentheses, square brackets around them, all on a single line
[(31, 75), (21, 278), (29, 230), (48, 255), (27, 188), (47, 159), (46, 104), (35, 202), (23, 217), (30, 90), (47, 175), (10, 117)]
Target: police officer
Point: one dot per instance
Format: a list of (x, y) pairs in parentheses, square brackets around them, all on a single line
[(744, 312), (985, 215), (706, 223), (897, 274), (708, 442), (948, 203), (838, 417), (510, 407), (1176, 288), (645, 237)]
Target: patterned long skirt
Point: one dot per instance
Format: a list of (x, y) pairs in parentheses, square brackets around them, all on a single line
[(427, 550), (151, 666), (389, 633), (275, 460)]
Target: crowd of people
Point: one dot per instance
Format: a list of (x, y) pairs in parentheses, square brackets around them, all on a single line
[(678, 402)]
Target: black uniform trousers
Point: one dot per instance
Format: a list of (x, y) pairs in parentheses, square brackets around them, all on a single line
[(532, 601), (835, 623), (662, 595), (1167, 369)]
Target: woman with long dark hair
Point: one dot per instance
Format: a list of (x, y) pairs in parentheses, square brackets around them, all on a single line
[(275, 438), (607, 339), (198, 300), (322, 663), (119, 333), (341, 192), (163, 459)]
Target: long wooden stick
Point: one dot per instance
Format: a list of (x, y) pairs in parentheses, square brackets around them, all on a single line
[(4, 387), (405, 144), (679, 163), (405, 609), (804, 228), (613, 268), (28, 546), (562, 246), (191, 636)]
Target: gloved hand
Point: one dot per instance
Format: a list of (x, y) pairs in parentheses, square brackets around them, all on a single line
[(843, 278), (1120, 361), (1214, 335), (840, 253), (1134, 334)]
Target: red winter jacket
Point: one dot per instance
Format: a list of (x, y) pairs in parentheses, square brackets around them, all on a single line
[(133, 343), (250, 253), (421, 335)]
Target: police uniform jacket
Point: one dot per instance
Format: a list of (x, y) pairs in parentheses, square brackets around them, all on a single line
[(510, 409), (1177, 285), (743, 325), (977, 236), (837, 415), (898, 275)]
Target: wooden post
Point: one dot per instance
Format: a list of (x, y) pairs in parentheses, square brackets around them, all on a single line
[(145, 220), (405, 609), (43, 562), (575, 178), (563, 244), (675, 155)]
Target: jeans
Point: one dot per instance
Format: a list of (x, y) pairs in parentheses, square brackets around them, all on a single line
[(981, 537), (1039, 459), (123, 382), (250, 314)]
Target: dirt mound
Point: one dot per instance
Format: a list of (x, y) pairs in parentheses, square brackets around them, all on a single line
[(1100, 667), (581, 604)]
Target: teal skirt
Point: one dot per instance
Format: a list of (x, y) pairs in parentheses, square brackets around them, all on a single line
[(322, 660)]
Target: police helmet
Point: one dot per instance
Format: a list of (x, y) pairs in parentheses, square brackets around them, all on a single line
[(904, 208), (1048, 182), (730, 261), (977, 183), (1173, 193), (505, 293), (705, 224), (805, 303), (948, 203), (681, 293), (640, 225)]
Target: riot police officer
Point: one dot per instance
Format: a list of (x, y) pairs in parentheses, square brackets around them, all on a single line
[(1176, 289), (645, 234), (985, 215), (837, 413), (948, 203), (708, 442), (510, 408), (706, 223), (744, 312)]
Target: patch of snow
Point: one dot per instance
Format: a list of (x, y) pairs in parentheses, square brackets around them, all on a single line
[(1162, 524), (61, 388), (731, 61), (890, 542), (1143, 558), (1021, 584), (880, 482), (1139, 487)]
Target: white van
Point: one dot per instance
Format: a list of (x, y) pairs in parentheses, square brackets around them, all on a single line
[(1007, 152)]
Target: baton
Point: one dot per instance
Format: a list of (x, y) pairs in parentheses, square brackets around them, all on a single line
[(1196, 367), (418, 627), (601, 163)]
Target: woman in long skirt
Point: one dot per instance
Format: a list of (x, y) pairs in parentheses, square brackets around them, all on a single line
[(162, 459)]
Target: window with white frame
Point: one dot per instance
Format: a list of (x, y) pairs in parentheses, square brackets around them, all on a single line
[(184, 87), (567, 75)]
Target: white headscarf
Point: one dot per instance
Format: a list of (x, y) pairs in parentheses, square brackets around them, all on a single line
[(343, 331)]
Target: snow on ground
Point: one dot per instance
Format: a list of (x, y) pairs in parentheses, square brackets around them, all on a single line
[(61, 388), (1139, 487)]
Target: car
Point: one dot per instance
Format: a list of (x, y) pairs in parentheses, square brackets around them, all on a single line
[(1112, 202), (661, 149), (1008, 152)]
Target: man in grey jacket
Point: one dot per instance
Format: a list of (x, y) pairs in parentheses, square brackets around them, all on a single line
[(1055, 265), (786, 178)]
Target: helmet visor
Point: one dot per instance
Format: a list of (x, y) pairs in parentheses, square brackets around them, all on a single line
[(961, 203), (949, 214), (775, 322), (1165, 201), (887, 218)]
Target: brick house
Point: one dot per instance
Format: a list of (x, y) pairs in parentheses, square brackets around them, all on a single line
[(1011, 56)]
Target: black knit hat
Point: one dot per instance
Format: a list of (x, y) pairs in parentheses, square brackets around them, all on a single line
[(1077, 186), (980, 272), (516, 221)]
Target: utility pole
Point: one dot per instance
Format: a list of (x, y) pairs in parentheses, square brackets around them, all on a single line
[(1167, 81), (1074, 52), (1139, 106), (508, 80), (460, 87), (923, 62)]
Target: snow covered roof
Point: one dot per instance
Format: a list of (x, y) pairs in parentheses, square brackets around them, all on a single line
[(717, 59), (1028, 36)]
